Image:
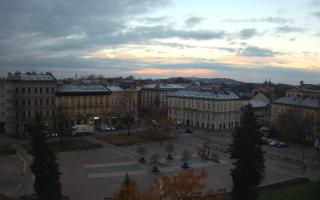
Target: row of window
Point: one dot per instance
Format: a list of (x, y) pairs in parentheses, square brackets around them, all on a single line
[(203, 125), (203, 115), (29, 114), (36, 90), (36, 102), (204, 105)]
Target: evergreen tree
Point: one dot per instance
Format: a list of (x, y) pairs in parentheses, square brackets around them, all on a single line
[(44, 167), (248, 156)]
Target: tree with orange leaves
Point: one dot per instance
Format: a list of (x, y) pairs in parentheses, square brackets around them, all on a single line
[(158, 126), (129, 191), (186, 185)]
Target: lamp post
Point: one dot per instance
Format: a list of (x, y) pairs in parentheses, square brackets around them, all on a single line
[(94, 124)]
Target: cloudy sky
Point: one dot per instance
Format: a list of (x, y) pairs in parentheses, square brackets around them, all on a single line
[(248, 40)]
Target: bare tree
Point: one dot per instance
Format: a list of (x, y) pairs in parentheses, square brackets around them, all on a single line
[(154, 160), (186, 156), (169, 149), (127, 110), (142, 151), (61, 121)]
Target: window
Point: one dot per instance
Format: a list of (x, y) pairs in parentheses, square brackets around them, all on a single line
[(52, 90), (40, 102), (23, 90), (35, 113), (35, 90), (23, 103), (48, 114), (52, 101), (47, 101), (41, 90), (52, 112), (29, 91), (35, 102), (29, 114), (17, 90), (47, 90), (23, 114), (41, 113)]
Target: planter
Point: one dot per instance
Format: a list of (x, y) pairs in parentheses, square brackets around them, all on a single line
[(185, 166), (142, 160), (155, 169)]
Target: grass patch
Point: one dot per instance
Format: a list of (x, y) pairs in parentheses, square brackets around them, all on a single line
[(6, 150), (125, 140), (306, 191), (69, 144)]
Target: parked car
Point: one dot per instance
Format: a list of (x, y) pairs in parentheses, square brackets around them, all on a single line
[(277, 143), (272, 142), (112, 128), (23, 136), (282, 144), (105, 127), (120, 126)]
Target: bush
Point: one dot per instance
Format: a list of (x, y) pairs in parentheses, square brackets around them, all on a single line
[(6, 150)]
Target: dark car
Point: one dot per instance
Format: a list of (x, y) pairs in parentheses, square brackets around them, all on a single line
[(282, 144)]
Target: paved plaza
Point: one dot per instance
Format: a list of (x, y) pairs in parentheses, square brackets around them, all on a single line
[(95, 174)]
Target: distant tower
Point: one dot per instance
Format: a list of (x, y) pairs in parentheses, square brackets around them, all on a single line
[(301, 83)]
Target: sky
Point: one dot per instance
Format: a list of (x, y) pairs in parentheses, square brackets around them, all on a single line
[(247, 40)]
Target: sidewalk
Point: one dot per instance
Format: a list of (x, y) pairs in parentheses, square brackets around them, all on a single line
[(26, 185)]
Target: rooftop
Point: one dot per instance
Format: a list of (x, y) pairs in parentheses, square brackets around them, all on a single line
[(31, 76), (299, 101), (163, 86), (215, 95), (256, 103), (82, 89), (115, 88)]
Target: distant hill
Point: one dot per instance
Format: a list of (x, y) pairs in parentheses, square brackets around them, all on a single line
[(226, 81)]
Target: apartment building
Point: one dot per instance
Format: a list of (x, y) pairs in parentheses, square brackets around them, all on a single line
[(6, 107), (33, 94), (156, 95), (83, 103), (215, 110), (123, 100)]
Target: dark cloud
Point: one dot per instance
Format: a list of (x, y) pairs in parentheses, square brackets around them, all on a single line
[(276, 20), (34, 28), (247, 33), (193, 21), (146, 32), (315, 3), (289, 29), (317, 14), (252, 51), (152, 20)]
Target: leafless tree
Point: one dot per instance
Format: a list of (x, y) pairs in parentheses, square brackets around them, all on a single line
[(60, 123), (142, 151), (154, 160), (169, 149), (127, 110), (186, 156)]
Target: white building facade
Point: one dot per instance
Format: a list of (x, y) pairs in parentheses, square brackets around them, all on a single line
[(206, 109)]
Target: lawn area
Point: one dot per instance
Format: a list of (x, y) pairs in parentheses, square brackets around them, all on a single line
[(304, 191), (70, 144), (125, 140), (6, 150)]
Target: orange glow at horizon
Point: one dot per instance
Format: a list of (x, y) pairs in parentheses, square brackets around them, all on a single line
[(175, 72)]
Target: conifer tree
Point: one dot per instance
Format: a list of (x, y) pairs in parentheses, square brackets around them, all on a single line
[(44, 167), (248, 158)]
